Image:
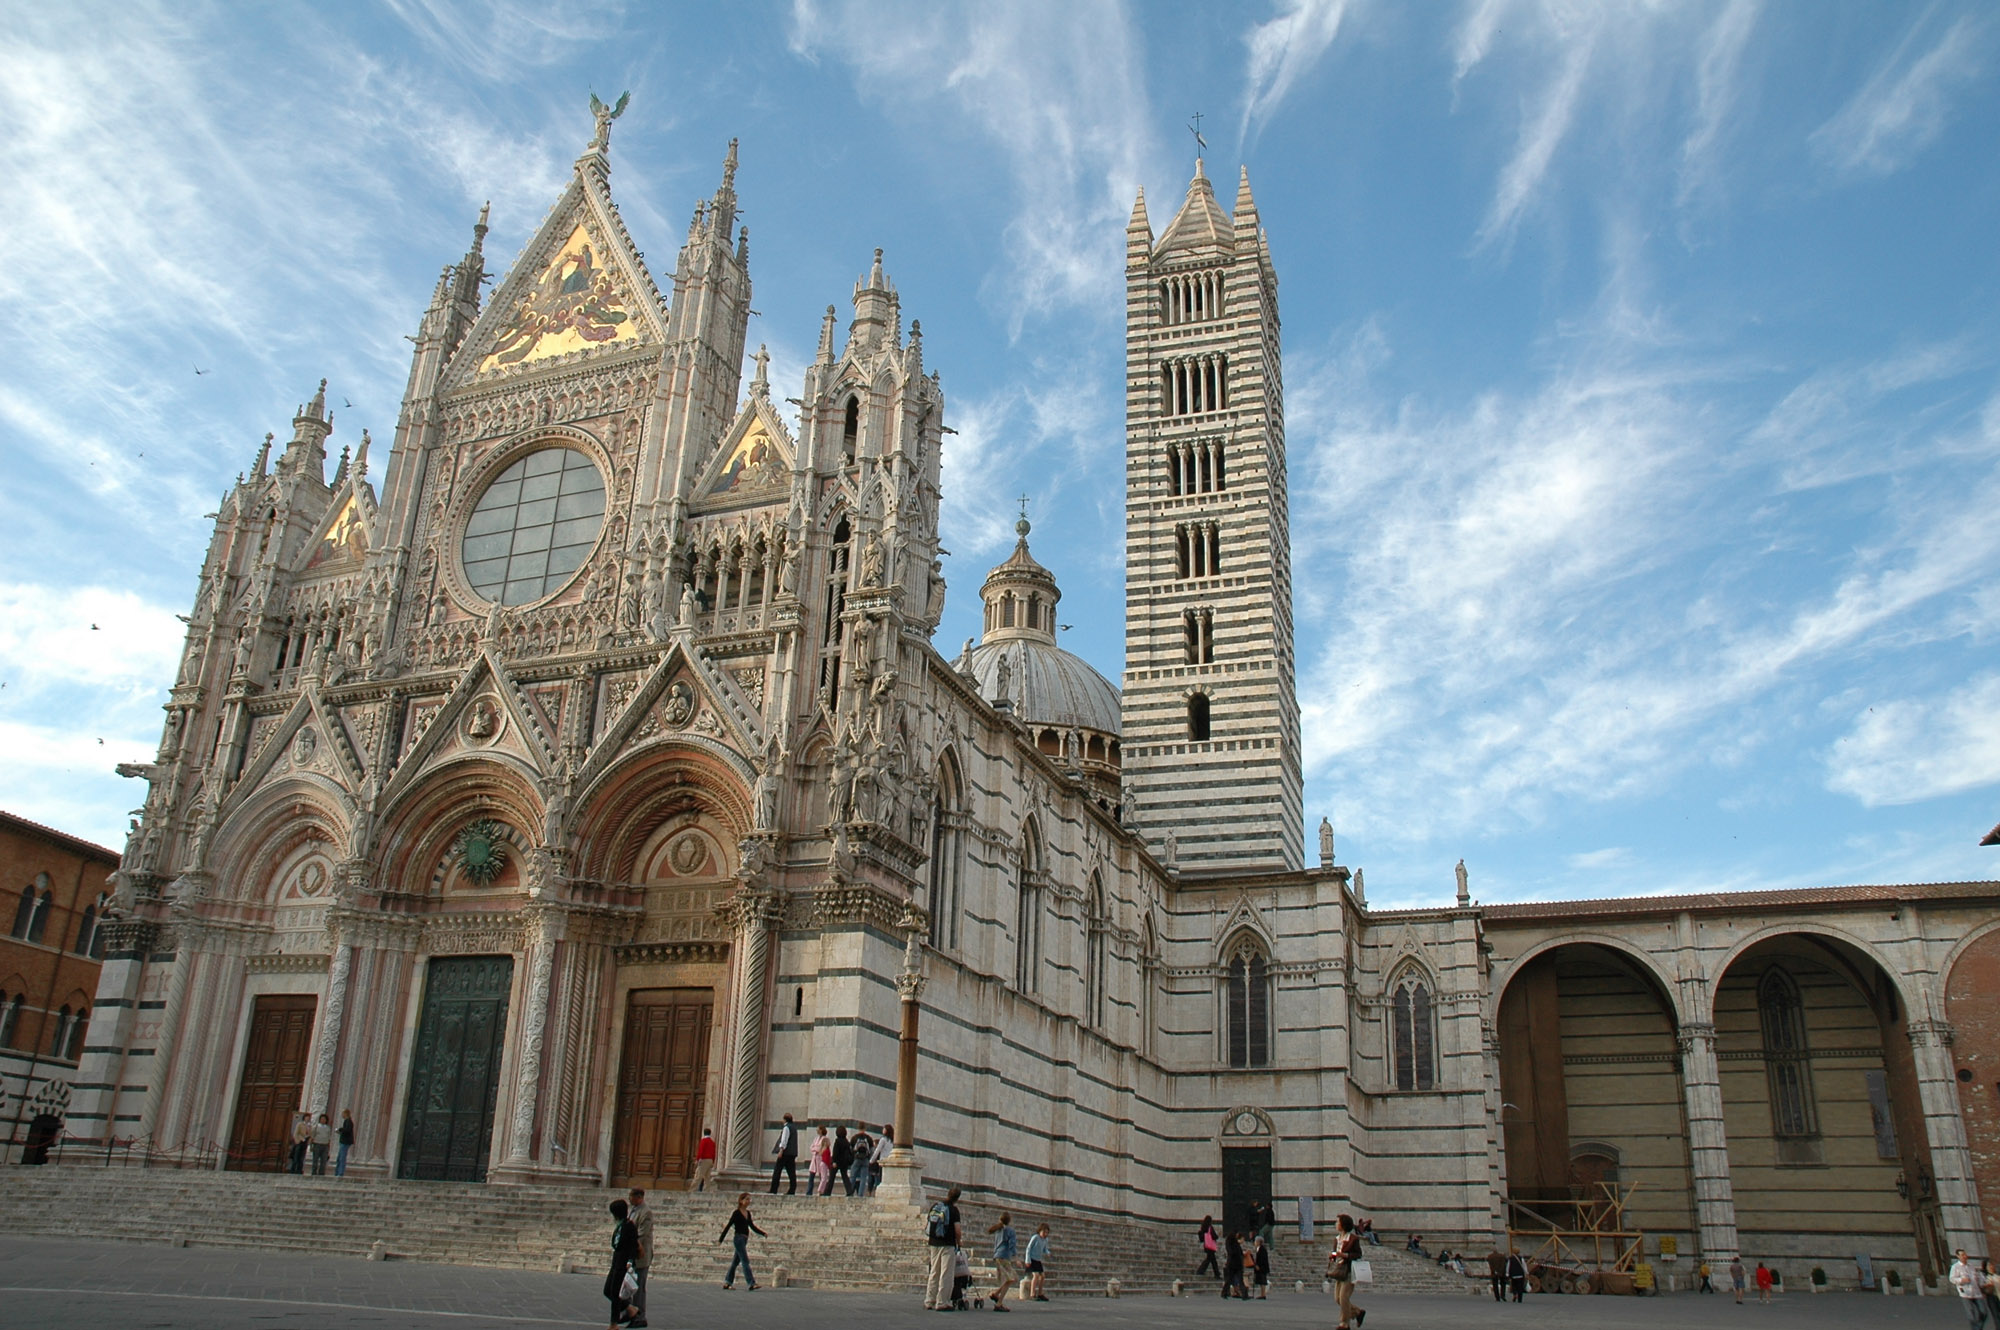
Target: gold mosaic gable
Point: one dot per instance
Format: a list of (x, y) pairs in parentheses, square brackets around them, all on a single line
[(579, 302)]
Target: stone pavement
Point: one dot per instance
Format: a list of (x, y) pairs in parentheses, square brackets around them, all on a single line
[(53, 1282)]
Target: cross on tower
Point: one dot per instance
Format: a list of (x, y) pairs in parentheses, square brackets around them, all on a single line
[(1194, 128)]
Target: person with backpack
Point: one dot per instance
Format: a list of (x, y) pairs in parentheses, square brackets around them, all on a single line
[(1210, 1245), (941, 1232), (864, 1155), (743, 1226), (843, 1161), (1038, 1258), (1517, 1275)]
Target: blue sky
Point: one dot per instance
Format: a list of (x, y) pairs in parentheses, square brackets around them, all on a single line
[(1641, 360)]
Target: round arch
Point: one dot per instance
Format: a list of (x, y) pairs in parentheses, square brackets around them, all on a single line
[(1667, 985), (1807, 928), (1957, 953), (622, 810)]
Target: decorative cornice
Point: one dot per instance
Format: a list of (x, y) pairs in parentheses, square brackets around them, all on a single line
[(281, 962), (670, 953)]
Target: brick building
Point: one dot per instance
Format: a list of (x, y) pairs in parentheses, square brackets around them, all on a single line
[(52, 897)]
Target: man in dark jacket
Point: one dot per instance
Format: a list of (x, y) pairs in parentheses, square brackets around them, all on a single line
[(788, 1157), (843, 1160), (1496, 1270)]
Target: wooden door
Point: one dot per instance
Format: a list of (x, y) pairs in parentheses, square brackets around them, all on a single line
[(273, 1082), (455, 1069), (1246, 1181), (661, 1078)]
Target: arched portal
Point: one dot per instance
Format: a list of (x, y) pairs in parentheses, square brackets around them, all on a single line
[(1591, 1088), (1827, 1150)]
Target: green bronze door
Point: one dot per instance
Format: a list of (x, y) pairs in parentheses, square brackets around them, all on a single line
[(455, 1070)]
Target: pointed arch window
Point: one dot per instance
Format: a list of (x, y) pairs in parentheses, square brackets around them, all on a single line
[(90, 931), (850, 431), (947, 858), (24, 913), (1197, 725), (1787, 1056), (38, 914), (10, 1018), (1247, 1007), (837, 566), (1095, 957), (1413, 1022), (1029, 910)]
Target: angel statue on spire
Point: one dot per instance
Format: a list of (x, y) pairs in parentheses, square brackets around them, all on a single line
[(605, 115)]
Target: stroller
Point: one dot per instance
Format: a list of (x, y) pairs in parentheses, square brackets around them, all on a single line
[(961, 1283)]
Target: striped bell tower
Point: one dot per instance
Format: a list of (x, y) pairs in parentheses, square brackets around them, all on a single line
[(1210, 712)]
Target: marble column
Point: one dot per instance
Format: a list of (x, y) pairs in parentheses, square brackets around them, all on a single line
[(903, 1170), (331, 1022), (754, 914), (1944, 1130), (1708, 1143), (542, 939)]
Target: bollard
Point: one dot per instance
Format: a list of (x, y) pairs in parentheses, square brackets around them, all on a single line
[(378, 1250), (1299, 1286), (1175, 1290), (1111, 1287)]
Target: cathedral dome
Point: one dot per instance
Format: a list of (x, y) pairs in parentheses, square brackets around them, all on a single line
[(1072, 710)]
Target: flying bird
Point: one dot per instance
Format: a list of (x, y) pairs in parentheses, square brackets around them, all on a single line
[(199, 370), (347, 404), (93, 628)]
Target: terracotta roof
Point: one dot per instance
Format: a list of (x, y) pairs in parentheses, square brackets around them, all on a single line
[(90, 849), (1794, 898), (1992, 837)]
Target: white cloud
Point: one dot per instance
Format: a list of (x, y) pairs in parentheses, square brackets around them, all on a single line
[(1592, 861), (1282, 50), (1900, 752), (1058, 90), (1542, 131), (1905, 104), (1717, 72)]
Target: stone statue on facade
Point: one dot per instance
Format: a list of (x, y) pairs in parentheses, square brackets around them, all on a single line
[(1326, 842), (1464, 891)]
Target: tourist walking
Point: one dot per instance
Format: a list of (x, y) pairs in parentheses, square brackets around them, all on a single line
[(864, 1162), (1260, 1265), (1232, 1266), (624, 1247), (1210, 1245), (302, 1130), (788, 1157), (1267, 1222), (941, 1232), (1763, 1282), (1987, 1281), (843, 1160), (1005, 1249), (640, 1215), (1340, 1269), (1706, 1286), (742, 1225), (346, 1138), (1038, 1259), (322, 1144), (1496, 1271), (1966, 1282), (1517, 1276), (1736, 1277), (819, 1173), (704, 1159)]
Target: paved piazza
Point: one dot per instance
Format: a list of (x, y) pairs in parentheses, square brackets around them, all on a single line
[(50, 1282)]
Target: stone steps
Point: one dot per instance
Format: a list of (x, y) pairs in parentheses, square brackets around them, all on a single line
[(828, 1242)]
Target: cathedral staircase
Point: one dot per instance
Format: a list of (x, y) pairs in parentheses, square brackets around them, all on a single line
[(832, 1242)]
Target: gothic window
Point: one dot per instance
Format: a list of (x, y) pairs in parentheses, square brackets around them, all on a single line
[(1198, 716), (25, 912), (836, 605), (1787, 1056), (534, 526), (86, 929), (1414, 1034), (10, 1017), (38, 918), (60, 1034), (1198, 636), (1247, 1003), (850, 432), (947, 835), (1028, 918), (1149, 973), (1096, 927)]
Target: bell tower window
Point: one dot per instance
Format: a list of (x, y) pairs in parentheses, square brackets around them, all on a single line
[(850, 432), (1197, 710), (836, 606)]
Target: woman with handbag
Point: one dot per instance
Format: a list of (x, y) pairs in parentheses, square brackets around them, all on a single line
[(1209, 1247), (1340, 1269), (624, 1250)]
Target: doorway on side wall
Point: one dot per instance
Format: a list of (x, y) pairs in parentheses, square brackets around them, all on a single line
[(662, 1080), (1246, 1180), (455, 1069), (273, 1082)]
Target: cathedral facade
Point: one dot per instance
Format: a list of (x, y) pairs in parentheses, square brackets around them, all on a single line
[(597, 780)]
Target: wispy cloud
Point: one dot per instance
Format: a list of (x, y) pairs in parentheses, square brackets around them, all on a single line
[(1058, 91), (1905, 104), (1717, 75), (1902, 751), (1282, 50)]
